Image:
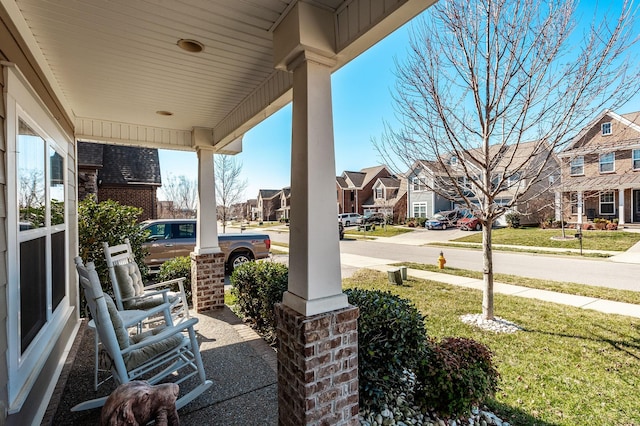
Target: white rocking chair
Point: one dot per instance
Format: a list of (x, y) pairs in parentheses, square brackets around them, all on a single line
[(153, 355), (131, 293)]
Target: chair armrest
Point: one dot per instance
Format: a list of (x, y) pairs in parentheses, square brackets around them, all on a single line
[(165, 283), (167, 332), (162, 292), (147, 314)]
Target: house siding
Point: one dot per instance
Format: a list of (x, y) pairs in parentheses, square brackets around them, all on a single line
[(15, 51)]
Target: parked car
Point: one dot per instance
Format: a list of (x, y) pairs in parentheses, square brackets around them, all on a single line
[(349, 219), (375, 218), (445, 219), (469, 223), (170, 238)]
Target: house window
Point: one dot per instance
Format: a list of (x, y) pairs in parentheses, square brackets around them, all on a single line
[(417, 184), (606, 128), (577, 166), (379, 193), (419, 209), (37, 236), (453, 161), (636, 159), (607, 203), (607, 162), (513, 179)]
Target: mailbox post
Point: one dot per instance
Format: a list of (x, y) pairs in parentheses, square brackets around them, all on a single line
[(579, 236)]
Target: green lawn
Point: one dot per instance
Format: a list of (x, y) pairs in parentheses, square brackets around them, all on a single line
[(568, 366), (380, 231), (536, 237)]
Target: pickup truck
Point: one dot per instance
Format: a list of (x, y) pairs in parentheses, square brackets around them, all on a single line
[(169, 238)]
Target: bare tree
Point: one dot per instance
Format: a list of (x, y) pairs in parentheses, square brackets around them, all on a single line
[(183, 192), (229, 185), (485, 76)]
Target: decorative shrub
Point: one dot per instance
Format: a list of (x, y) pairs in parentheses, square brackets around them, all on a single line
[(587, 226), (112, 222), (455, 374), (258, 286), (513, 220), (420, 221), (612, 226), (176, 268), (391, 338)]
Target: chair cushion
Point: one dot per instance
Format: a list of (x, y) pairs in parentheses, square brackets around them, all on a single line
[(118, 326), (139, 356), (129, 281)]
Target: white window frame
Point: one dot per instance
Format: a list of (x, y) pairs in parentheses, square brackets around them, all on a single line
[(606, 128), (606, 159), (577, 162), (635, 159), (417, 184), (420, 206), (379, 193), (607, 202), (23, 367)]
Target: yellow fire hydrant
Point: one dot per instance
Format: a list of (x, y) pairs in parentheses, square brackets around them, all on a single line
[(441, 261)]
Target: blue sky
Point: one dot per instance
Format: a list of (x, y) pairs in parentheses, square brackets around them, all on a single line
[(362, 100)]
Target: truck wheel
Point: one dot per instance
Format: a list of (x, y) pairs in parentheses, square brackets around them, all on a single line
[(238, 259)]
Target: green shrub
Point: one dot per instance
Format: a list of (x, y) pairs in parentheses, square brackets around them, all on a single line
[(420, 221), (258, 286), (455, 374), (391, 338), (112, 222), (513, 220), (176, 268)]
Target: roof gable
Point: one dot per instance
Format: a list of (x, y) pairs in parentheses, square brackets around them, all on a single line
[(625, 129)]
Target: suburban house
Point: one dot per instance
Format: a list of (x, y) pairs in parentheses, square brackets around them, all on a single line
[(601, 170), (284, 208), (389, 197), (191, 76), (422, 201), (528, 171), (127, 174), (354, 188), (267, 205)]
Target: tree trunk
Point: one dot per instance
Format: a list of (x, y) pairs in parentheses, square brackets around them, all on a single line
[(487, 271)]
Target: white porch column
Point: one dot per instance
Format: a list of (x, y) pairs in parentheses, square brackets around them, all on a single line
[(621, 206), (207, 229), (580, 207), (315, 282)]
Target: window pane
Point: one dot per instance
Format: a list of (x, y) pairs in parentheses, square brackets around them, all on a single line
[(33, 290), (31, 178), (56, 187), (58, 261)]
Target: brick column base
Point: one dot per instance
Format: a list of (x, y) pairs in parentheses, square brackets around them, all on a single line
[(317, 367), (207, 281)]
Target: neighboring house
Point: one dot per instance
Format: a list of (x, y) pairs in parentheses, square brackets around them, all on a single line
[(512, 169), (126, 174), (389, 197), (283, 211), (251, 209), (355, 188), (268, 203), (601, 170), (422, 201)]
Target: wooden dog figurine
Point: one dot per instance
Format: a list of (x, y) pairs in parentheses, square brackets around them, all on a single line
[(137, 403)]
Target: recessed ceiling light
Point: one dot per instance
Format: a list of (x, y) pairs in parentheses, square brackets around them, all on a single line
[(164, 113), (189, 45)]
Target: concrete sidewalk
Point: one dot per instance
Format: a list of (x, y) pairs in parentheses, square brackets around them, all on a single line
[(606, 306)]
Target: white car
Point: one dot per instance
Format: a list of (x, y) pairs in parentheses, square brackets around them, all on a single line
[(349, 219)]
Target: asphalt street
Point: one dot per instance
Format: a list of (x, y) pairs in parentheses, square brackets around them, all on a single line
[(583, 270)]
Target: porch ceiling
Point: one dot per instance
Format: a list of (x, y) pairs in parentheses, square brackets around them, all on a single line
[(114, 64)]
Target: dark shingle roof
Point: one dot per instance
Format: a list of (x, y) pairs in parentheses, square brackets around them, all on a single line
[(267, 193), (90, 154), (124, 165)]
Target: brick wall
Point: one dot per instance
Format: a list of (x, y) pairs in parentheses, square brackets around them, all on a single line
[(207, 281), (143, 197), (317, 367)]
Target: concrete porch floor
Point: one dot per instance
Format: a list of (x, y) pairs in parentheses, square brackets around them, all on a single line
[(240, 364)]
